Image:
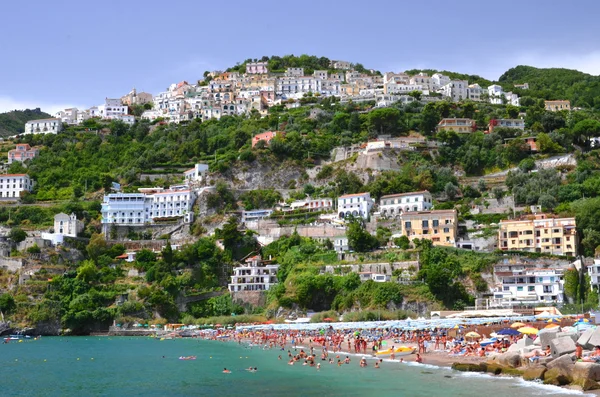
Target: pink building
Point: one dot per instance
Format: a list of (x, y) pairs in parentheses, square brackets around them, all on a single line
[(22, 152), (257, 68), (266, 136)]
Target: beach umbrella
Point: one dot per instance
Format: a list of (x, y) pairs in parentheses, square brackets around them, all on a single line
[(472, 334), (327, 319), (486, 342), (528, 330), (517, 325), (508, 331), (458, 326), (553, 325), (583, 320), (552, 320)]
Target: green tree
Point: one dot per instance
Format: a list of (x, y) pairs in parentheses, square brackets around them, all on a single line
[(7, 303), (17, 234), (586, 129), (451, 190), (87, 272), (96, 247), (358, 238), (590, 242)]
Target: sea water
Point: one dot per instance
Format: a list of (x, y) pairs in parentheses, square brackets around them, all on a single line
[(105, 366)]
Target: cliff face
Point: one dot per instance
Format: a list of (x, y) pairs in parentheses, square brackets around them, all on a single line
[(265, 175)]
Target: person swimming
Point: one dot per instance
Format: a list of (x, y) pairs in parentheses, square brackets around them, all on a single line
[(226, 371)]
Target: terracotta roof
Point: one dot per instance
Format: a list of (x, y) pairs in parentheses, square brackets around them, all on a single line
[(353, 195), (13, 175)]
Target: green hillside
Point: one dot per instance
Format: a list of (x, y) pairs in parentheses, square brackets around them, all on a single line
[(582, 89), (12, 123)]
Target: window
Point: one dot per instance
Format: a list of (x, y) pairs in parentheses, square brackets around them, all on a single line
[(506, 288), (407, 225), (446, 230), (531, 288), (519, 289), (425, 223), (435, 223)]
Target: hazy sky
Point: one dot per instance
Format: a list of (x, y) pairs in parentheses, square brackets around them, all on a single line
[(61, 53)]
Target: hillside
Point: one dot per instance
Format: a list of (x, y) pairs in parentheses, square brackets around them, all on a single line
[(12, 123), (582, 89)]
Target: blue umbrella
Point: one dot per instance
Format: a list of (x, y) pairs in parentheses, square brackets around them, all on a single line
[(508, 331)]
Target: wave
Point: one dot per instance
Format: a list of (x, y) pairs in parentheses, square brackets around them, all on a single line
[(549, 389)]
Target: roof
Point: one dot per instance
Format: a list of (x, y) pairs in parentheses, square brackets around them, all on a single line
[(38, 120), (405, 194), (13, 175), (172, 191), (432, 212), (354, 195)]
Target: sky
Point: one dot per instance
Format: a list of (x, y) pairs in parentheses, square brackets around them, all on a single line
[(56, 54)]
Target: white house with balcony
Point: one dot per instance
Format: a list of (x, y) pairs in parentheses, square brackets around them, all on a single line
[(43, 126), (593, 271), (529, 286), (255, 274), (146, 207), (356, 205), (11, 185), (196, 174), (395, 204), (319, 204)]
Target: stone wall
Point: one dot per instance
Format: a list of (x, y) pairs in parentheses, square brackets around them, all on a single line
[(12, 265), (381, 267), (251, 298)]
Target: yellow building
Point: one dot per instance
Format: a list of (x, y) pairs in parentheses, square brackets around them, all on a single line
[(555, 106), (460, 126), (439, 226), (539, 233)]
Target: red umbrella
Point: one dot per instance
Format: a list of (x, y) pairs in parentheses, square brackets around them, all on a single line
[(327, 319)]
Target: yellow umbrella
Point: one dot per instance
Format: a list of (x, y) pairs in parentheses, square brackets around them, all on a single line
[(552, 326), (472, 334), (517, 325), (528, 330), (552, 320)]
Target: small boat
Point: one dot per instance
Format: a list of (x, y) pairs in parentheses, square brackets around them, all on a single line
[(187, 357), (398, 352)]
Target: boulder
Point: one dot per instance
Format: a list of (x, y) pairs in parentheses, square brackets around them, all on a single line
[(469, 367), (510, 359), (572, 335), (586, 375), (561, 346), (585, 338), (546, 335), (524, 342), (513, 348), (586, 370), (563, 365), (535, 373), (594, 339), (555, 377)]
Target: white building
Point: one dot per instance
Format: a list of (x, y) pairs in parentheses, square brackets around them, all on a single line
[(322, 204), (139, 209), (11, 185), (377, 277), (474, 92), (255, 215), (293, 85), (257, 68), (439, 80), (254, 275), (395, 204), (294, 72), (112, 109), (497, 96), (529, 286), (68, 116), (43, 126), (424, 81), (594, 273), (196, 174), (340, 244), (67, 225), (456, 90), (357, 205)]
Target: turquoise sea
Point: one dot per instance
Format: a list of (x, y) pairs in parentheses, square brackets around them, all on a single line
[(104, 366)]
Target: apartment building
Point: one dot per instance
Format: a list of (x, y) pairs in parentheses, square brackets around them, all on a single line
[(394, 205), (146, 207), (542, 233), (506, 123), (529, 286), (460, 126), (11, 185), (43, 126), (22, 152), (255, 215), (255, 274), (357, 205), (555, 106), (439, 226), (455, 90), (257, 68), (320, 204)]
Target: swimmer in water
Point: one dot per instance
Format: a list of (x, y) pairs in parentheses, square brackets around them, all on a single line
[(226, 371)]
